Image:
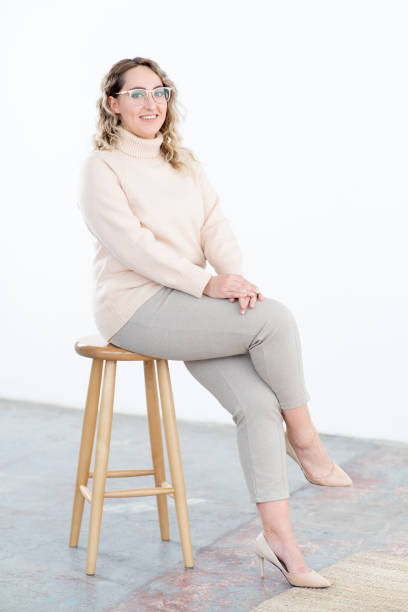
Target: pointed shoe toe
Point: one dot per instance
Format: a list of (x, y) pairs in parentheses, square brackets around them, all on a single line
[(308, 579), (335, 478)]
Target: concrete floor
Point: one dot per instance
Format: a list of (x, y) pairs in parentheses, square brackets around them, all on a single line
[(136, 570)]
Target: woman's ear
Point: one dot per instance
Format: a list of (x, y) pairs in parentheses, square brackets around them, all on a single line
[(113, 104)]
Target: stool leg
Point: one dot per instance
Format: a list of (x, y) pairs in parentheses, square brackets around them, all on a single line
[(156, 444), (85, 452), (174, 455), (101, 464)]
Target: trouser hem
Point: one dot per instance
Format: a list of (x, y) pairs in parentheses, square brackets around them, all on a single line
[(267, 498), (295, 404)]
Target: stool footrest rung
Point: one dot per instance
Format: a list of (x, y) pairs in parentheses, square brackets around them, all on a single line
[(165, 489), (126, 473), (139, 492)]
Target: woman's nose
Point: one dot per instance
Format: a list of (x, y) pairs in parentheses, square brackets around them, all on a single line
[(150, 101)]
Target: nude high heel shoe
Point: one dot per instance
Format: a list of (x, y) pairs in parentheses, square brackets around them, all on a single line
[(335, 478), (306, 579)]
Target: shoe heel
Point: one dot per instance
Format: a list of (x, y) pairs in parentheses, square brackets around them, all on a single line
[(261, 563)]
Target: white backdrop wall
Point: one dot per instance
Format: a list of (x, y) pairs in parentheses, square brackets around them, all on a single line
[(299, 112)]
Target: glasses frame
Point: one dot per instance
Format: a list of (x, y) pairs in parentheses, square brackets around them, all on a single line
[(147, 91)]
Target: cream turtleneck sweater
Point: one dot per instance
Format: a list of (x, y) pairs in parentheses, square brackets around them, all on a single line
[(152, 225)]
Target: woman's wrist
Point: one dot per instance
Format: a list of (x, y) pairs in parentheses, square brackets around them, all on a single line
[(208, 285)]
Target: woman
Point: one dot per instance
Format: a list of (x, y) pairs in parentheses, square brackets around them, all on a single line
[(156, 220)]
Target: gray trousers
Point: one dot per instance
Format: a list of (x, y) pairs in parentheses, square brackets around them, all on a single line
[(251, 363)]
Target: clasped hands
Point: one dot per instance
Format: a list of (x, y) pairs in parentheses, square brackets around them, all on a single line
[(233, 286)]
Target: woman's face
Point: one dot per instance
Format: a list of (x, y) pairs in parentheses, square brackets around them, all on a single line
[(132, 114)]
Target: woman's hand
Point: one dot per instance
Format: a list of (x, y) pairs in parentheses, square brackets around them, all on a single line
[(245, 301), (233, 286)]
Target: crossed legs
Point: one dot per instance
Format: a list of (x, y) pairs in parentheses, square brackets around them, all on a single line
[(252, 364)]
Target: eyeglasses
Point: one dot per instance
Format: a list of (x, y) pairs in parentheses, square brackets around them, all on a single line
[(139, 96)]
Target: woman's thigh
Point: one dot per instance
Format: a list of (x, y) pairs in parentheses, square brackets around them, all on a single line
[(175, 325)]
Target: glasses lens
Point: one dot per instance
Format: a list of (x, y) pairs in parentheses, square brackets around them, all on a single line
[(160, 95), (137, 96)]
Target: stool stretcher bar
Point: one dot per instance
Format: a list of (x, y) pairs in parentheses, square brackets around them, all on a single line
[(126, 473), (130, 492)]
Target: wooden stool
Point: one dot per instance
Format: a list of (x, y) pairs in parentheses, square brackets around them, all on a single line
[(99, 351)]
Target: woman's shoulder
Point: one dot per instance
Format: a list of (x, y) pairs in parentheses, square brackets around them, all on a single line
[(97, 166), (195, 165), (102, 154), (199, 169), (98, 158)]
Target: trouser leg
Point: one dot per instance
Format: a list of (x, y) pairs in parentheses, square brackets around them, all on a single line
[(254, 407), (176, 325)]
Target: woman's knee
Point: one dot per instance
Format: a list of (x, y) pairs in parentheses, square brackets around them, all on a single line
[(259, 413), (278, 313)]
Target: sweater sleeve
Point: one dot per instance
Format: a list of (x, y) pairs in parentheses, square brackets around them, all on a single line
[(108, 216), (218, 240)]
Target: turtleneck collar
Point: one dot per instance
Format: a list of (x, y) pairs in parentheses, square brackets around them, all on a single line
[(139, 147)]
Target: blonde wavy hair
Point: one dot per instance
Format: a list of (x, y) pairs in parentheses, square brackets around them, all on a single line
[(108, 122)]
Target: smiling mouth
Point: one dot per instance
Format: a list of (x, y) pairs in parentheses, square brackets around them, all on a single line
[(148, 117)]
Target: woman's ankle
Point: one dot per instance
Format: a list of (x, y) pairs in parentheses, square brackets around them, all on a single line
[(304, 438), (287, 550), (279, 535)]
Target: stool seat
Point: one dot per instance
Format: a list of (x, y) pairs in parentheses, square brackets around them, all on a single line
[(96, 347), (99, 407)]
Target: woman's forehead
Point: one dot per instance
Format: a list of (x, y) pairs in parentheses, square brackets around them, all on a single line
[(141, 76)]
